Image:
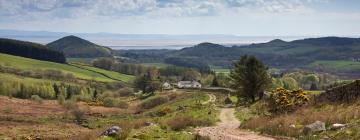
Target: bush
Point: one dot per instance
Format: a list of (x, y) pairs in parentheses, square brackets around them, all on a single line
[(122, 104), (78, 113), (110, 102), (181, 122), (282, 100), (61, 99), (37, 98), (153, 102), (124, 92), (164, 111), (69, 104)]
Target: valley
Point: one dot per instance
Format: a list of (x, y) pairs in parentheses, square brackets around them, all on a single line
[(188, 94)]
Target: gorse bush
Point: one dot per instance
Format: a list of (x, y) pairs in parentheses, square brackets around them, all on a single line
[(282, 100), (36, 98), (153, 102)]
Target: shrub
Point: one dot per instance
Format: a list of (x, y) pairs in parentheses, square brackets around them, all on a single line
[(69, 104), (110, 102), (122, 104), (163, 111), (153, 102), (124, 92), (282, 100), (181, 122), (37, 98), (78, 113), (61, 99)]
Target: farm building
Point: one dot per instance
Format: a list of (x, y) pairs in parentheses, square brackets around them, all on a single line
[(188, 84)]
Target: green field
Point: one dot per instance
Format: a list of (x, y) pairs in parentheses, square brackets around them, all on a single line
[(158, 65), (32, 64), (81, 60), (112, 74), (337, 65)]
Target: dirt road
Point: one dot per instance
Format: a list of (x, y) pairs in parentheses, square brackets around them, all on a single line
[(227, 129)]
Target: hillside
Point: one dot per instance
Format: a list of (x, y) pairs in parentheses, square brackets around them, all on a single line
[(81, 73), (276, 53), (73, 46), (30, 50)]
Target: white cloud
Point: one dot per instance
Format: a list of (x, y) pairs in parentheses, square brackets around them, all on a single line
[(35, 9)]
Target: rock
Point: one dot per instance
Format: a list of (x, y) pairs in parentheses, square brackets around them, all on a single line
[(314, 127), (337, 126), (149, 123), (292, 126), (114, 130)]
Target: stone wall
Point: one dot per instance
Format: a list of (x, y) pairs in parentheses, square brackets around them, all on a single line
[(346, 93)]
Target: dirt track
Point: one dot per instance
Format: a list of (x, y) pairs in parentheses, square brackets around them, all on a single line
[(227, 129)]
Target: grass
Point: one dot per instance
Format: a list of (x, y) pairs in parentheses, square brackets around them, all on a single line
[(158, 65), (255, 119), (337, 65), (32, 64), (112, 74), (81, 60)]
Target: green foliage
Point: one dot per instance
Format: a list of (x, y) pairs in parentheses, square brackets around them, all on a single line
[(111, 102), (250, 77), (289, 83), (149, 82), (30, 50), (36, 98)]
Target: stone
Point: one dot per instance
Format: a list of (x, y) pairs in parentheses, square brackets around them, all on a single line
[(114, 130), (337, 126), (314, 127), (292, 126)]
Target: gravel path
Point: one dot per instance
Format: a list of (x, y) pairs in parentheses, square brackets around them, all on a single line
[(227, 129)]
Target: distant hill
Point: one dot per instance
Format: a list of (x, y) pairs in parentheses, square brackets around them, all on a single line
[(73, 46), (30, 50), (276, 53)]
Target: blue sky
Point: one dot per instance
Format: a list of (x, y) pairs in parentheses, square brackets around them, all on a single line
[(236, 17)]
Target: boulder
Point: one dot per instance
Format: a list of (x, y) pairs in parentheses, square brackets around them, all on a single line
[(314, 127), (114, 130), (292, 126), (337, 126)]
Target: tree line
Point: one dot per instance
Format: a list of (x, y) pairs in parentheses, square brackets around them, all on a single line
[(30, 50)]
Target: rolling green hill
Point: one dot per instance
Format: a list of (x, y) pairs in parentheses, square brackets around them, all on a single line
[(81, 73), (73, 46), (276, 53)]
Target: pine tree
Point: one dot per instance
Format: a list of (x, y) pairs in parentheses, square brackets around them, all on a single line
[(95, 94), (69, 92), (56, 90), (250, 78), (215, 82)]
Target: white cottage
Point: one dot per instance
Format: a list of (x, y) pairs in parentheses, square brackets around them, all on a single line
[(188, 84)]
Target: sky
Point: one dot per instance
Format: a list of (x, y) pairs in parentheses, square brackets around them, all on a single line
[(233, 17)]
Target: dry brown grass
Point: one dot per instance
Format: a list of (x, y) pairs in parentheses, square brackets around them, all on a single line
[(328, 113), (181, 122)]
